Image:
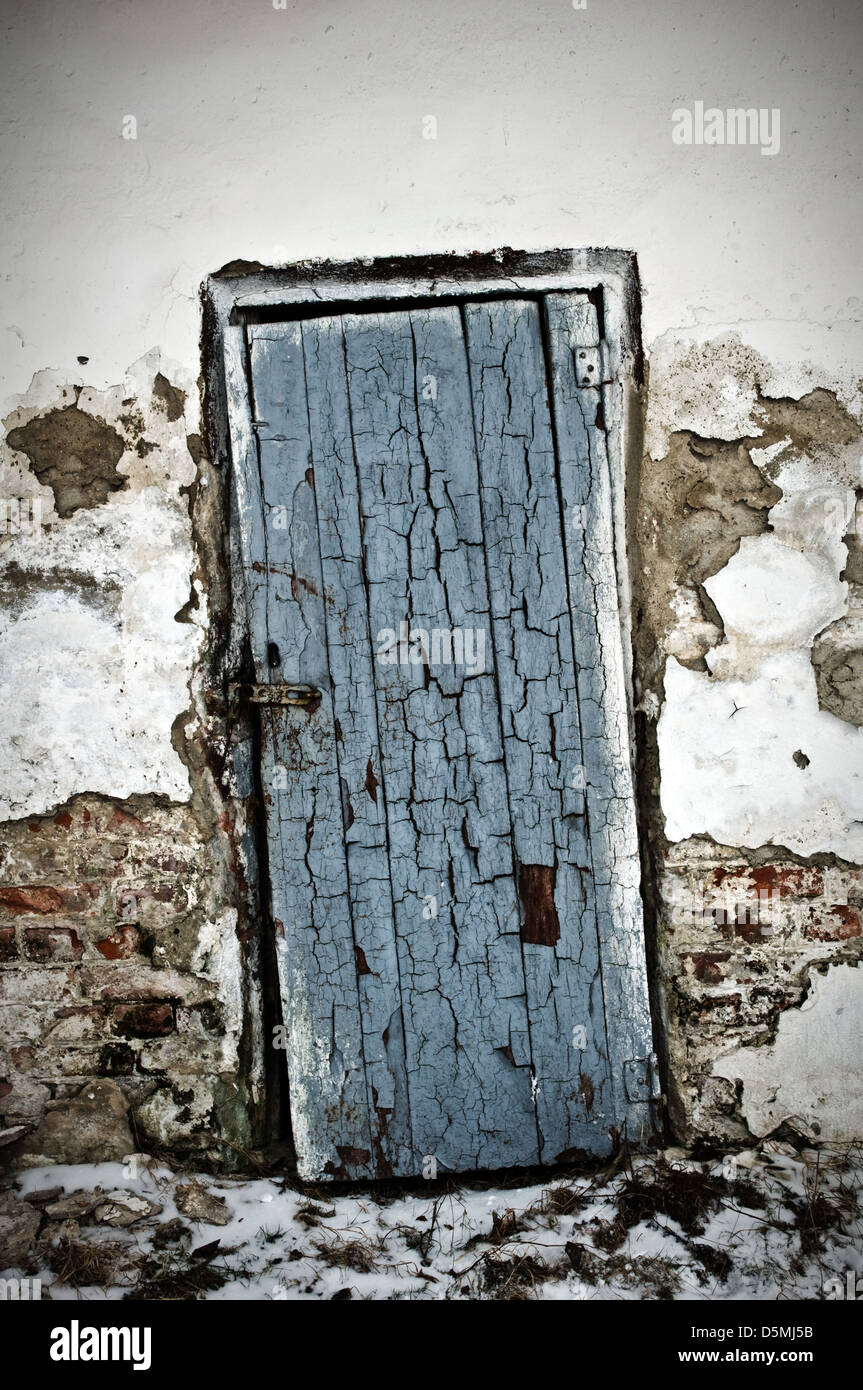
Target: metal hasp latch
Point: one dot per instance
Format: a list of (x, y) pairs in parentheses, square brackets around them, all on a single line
[(302, 695), (641, 1078)]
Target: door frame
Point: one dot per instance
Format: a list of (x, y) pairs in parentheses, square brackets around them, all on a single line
[(242, 293)]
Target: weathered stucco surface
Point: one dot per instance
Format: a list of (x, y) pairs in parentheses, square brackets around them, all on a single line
[(128, 923), (774, 596), (90, 645), (809, 1087), (124, 934), (748, 644)]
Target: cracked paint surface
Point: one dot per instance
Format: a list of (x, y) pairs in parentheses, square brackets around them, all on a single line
[(477, 1035)]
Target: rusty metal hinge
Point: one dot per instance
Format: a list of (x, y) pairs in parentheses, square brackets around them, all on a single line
[(641, 1078), (302, 695)]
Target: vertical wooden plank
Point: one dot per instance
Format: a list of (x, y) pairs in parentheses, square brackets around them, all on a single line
[(466, 1032), (247, 491), (315, 944), (576, 363), (364, 812), (542, 739)]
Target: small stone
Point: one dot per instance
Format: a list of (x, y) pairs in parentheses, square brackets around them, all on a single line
[(778, 1146), (19, 1224), (74, 1206), (198, 1204), (27, 1101), (14, 1132), (121, 1208), (55, 1231), (92, 1127), (747, 1158), (813, 1158), (43, 1195)]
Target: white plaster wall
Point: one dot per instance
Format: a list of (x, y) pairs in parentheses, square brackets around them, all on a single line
[(89, 691), (301, 129), (808, 1077), (728, 736)]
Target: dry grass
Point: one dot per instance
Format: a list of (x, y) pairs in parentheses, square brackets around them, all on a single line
[(683, 1196), (312, 1214), (84, 1264), (607, 1235), (356, 1252), (560, 1200), (173, 1275), (515, 1277)]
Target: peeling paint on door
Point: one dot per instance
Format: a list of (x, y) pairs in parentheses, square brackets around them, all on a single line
[(451, 842)]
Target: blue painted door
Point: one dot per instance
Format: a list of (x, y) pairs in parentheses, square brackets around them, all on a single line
[(427, 541)]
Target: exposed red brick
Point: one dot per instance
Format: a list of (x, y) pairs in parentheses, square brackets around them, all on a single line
[(120, 944), (39, 986), (751, 930), (143, 1020), (742, 920), (720, 1008), (835, 923), (130, 981), (52, 943), (786, 880), (33, 898), (169, 893), (105, 863), (34, 828), (706, 965), (93, 1013), (8, 944), (123, 822), (63, 819), (131, 900)]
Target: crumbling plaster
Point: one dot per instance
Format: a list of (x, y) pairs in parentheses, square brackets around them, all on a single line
[(813, 1089), (112, 639), (728, 734), (90, 644), (751, 613)]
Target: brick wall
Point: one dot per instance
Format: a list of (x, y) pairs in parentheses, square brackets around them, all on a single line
[(737, 943), (120, 958)]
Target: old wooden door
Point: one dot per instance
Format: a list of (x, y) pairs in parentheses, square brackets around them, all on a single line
[(426, 519)]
